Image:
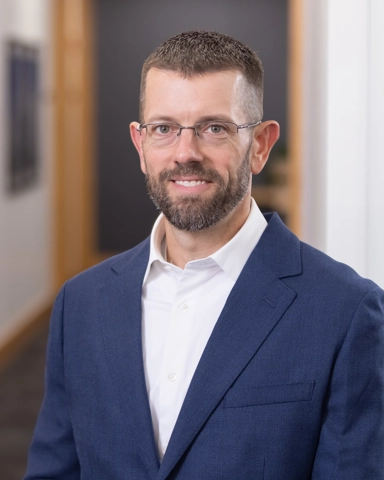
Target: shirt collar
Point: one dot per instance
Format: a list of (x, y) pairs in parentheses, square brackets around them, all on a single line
[(232, 257), (155, 249)]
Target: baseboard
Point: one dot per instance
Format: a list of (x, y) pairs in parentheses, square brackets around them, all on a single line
[(23, 329)]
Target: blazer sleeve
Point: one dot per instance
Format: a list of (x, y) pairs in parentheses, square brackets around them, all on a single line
[(52, 453), (351, 443)]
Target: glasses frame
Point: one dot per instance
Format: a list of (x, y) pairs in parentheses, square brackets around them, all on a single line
[(140, 127)]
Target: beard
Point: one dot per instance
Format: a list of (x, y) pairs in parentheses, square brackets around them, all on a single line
[(194, 213)]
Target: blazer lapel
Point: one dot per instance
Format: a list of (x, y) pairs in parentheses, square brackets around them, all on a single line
[(254, 307), (120, 304)]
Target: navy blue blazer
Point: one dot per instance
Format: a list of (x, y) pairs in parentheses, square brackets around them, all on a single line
[(289, 387)]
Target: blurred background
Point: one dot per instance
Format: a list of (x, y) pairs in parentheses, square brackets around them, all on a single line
[(71, 190)]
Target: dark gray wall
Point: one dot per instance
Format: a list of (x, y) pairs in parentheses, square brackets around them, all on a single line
[(126, 33)]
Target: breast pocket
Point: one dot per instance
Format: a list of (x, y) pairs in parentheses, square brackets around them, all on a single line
[(267, 395)]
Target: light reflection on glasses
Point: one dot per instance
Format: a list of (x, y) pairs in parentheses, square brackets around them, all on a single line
[(212, 132)]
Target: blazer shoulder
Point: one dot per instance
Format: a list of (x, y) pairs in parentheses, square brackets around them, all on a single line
[(326, 272), (97, 274), (306, 268)]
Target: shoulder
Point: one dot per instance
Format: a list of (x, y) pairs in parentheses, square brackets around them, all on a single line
[(322, 271), (133, 260), (332, 296), (318, 279), (335, 292), (306, 267)]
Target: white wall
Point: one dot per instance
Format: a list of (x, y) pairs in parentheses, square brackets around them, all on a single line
[(26, 277), (375, 172), (343, 178)]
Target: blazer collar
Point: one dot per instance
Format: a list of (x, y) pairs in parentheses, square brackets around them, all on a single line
[(279, 249)]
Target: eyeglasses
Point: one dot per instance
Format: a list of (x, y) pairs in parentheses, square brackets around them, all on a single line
[(211, 132)]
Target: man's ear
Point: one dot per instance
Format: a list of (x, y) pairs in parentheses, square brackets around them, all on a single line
[(265, 136), (137, 140)]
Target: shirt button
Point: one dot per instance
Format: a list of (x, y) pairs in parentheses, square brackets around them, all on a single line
[(172, 377), (184, 308), (168, 267)]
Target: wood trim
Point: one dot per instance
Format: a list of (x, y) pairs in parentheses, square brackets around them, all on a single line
[(75, 223), (58, 219), (10, 349), (93, 256), (295, 108)]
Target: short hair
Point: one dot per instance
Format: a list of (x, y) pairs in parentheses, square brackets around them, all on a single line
[(199, 52)]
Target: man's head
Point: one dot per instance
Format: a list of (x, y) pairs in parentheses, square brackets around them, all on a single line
[(197, 53), (201, 135)]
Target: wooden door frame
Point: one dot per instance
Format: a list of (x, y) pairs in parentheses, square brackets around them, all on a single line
[(74, 220)]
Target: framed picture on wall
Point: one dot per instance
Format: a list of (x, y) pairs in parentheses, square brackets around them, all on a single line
[(22, 116)]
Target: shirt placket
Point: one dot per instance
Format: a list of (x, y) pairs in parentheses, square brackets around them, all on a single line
[(173, 382)]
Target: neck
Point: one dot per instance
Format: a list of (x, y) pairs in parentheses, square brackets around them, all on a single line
[(183, 246)]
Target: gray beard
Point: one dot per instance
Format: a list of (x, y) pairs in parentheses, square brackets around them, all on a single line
[(193, 213)]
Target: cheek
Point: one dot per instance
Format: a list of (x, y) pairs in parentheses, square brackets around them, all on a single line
[(156, 159), (227, 169), (228, 163), (223, 156), (148, 162)]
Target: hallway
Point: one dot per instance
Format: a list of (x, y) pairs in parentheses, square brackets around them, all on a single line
[(21, 392)]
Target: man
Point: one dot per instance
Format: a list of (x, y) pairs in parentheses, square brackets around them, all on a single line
[(222, 347)]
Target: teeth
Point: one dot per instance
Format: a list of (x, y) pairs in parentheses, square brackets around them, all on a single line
[(192, 183)]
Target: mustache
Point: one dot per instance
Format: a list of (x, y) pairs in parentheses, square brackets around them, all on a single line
[(197, 169)]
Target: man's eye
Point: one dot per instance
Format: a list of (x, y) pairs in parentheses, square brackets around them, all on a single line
[(162, 129), (216, 128)]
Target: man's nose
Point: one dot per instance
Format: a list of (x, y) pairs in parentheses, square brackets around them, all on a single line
[(188, 147)]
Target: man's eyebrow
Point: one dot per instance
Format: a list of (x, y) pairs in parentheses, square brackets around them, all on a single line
[(161, 118), (217, 118), (205, 118)]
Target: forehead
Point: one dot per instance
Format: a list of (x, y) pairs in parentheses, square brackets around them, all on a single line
[(171, 96)]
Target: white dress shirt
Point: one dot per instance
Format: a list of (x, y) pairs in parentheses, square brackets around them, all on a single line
[(180, 310)]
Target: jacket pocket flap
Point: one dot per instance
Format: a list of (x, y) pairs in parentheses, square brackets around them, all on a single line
[(292, 392)]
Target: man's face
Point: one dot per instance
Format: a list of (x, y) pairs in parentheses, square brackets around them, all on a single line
[(194, 183)]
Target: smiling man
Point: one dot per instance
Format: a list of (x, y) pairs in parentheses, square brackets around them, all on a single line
[(200, 176), (222, 347)]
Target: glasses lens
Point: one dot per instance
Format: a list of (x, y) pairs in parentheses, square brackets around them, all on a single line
[(215, 132), (162, 133)]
